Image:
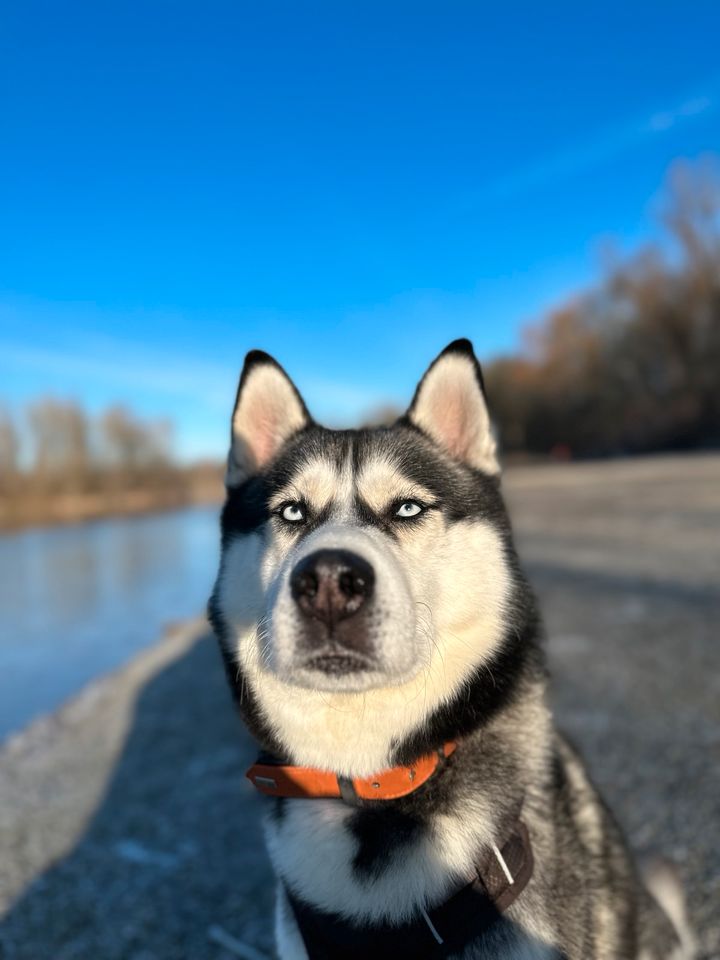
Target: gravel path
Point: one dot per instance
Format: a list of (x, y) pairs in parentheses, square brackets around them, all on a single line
[(127, 830)]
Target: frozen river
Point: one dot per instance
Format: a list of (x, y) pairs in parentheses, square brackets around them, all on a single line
[(78, 601)]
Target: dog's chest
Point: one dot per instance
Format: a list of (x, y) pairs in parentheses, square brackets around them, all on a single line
[(341, 865), (371, 864)]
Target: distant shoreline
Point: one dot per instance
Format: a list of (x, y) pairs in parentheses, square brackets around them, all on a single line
[(22, 513), (23, 510)]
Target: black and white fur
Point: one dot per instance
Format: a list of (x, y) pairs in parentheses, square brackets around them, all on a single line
[(451, 642)]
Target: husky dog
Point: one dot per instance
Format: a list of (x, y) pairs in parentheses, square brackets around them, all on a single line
[(379, 635)]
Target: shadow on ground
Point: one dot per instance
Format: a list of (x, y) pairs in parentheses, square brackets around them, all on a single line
[(175, 846)]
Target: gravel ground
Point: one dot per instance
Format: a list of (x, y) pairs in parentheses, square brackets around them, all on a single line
[(127, 830)]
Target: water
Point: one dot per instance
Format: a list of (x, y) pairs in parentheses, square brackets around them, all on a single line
[(78, 601)]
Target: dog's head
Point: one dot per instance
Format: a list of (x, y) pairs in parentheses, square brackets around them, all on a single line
[(367, 584)]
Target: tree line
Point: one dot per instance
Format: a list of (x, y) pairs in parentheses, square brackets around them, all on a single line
[(59, 464), (634, 364), (63, 449)]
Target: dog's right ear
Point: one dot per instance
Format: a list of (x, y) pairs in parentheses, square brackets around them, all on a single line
[(268, 411), (449, 406)]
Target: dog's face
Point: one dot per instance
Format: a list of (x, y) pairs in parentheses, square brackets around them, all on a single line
[(365, 577)]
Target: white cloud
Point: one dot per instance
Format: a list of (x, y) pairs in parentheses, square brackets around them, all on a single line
[(605, 145), (666, 119)]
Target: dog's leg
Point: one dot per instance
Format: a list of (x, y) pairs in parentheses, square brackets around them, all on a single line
[(662, 881), (289, 942)]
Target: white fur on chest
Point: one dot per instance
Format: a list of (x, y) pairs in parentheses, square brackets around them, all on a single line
[(313, 850)]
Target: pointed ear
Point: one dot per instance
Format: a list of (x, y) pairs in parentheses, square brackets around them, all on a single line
[(449, 406), (268, 411)]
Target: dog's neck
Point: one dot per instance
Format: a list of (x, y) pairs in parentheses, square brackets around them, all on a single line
[(380, 860), (355, 736)]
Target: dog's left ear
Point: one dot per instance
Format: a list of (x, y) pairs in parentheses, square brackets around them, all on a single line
[(449, 405), (268, 411)]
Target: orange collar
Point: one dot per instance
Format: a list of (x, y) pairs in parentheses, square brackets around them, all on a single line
[(281, 780)]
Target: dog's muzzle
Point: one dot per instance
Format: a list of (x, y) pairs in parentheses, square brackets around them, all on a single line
[(342, 616), (333, 590)]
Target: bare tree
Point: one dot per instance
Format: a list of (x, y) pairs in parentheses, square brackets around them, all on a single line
[(133, 448), (59, 431), (9, 452)]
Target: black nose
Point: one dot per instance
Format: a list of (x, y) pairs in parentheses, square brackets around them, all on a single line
[(331, 585)]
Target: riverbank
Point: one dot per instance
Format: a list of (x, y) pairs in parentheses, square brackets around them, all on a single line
[(27, 507), (129, 811), (127, 831)]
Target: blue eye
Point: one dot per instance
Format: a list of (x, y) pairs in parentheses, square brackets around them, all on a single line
[(408, 509), (293, 512)]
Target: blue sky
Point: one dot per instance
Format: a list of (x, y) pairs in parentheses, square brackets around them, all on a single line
[(346, 185)]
